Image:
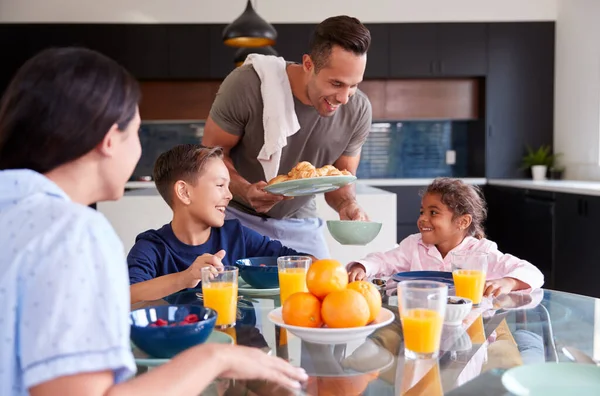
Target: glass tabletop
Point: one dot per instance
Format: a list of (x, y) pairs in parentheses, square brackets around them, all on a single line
[(510, 331)]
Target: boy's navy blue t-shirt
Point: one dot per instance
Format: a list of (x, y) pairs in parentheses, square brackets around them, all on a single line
[(159, 252)]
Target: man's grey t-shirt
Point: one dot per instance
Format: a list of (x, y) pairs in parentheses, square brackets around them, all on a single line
[(238, 109)]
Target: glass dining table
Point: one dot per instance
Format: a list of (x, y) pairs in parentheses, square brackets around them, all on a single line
[(512, 330)]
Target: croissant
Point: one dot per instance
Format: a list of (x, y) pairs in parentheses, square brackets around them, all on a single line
[(278, 179), (324, 171), (306, 170)]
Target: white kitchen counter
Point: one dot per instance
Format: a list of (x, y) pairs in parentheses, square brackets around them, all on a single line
[(415, 182), (563, 186), (142, 208), (367, 182)]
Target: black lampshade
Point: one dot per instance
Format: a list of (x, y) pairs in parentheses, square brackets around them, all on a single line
[(249, 30), (242, 53)]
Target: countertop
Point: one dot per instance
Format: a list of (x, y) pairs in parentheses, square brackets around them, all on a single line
[(365, 182), (148, 189), (563, 186), (365, 186)]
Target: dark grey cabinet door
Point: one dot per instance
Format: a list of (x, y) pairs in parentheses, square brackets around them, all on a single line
[(577, 255), (519, 93), (141, 49), (221, 55), (378, 57), (189, 51), (462, 49), (412, 50), (293, 40)]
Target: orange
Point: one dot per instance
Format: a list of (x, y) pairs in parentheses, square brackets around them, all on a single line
[(345, 308), (302, 309), (326, 276), (371, 294), (334, 386)]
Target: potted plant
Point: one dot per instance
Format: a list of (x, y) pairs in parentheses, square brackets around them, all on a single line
[(539, 161)]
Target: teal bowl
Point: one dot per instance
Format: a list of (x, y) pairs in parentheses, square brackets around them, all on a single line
[(349, 232)]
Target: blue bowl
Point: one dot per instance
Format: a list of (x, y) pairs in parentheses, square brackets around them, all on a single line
[(438, 276), (166, 342), (259, 272)]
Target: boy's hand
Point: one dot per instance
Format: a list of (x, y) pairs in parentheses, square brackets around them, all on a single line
[(192, 275), (357, 273), (496, 287)]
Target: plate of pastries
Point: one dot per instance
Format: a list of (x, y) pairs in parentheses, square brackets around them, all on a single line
[(306, 179)]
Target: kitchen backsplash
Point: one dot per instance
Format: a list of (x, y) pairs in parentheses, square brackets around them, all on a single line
[(410, 149)]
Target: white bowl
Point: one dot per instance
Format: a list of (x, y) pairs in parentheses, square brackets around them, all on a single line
[(325, 335), (455, 338), (455, 313)]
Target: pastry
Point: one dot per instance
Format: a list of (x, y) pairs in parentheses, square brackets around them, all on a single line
[(306, 170), (278, 179)]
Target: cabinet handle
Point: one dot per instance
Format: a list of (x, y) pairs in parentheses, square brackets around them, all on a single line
[(489, 131)]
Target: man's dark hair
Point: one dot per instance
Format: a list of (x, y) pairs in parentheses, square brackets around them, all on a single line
[(344, 31)]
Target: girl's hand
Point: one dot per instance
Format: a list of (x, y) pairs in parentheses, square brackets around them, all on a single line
[(357, 272), (496, 287)]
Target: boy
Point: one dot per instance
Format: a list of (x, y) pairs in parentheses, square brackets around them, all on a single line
[(194, 182)]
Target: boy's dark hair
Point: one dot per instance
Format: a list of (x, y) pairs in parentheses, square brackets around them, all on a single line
[(462, 199), (60, 105), (183, 162), (344, 31)]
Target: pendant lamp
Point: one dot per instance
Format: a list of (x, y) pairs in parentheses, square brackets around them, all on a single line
[(242, 53), (249, 30)]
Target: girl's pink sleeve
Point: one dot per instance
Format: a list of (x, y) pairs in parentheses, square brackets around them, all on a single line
[(389, 262), (503, 265)]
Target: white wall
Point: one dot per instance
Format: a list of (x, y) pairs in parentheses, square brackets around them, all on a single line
[(284, 11), (577, 95)]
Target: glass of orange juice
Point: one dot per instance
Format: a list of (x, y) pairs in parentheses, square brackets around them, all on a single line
[(422, 306), (469, 269), (292, 275), (220, 292)]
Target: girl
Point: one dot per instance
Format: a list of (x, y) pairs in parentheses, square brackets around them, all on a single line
[(451, 218), (69, 125)]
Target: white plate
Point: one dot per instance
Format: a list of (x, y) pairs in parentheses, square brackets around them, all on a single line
[(553, 379), (326, 335), (248, 290), (309, 186)]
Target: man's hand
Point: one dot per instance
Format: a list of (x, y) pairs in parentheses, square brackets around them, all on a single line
[(351, 211), (261, 200)]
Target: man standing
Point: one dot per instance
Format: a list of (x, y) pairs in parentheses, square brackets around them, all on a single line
[(334, 117)]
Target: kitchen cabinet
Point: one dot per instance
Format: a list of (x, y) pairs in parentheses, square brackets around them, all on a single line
[(378, 56), (438, 50), (189, 51), (293, 40), (519, 94), (408, 205), (577, 254), (521, 222), (219, 56)]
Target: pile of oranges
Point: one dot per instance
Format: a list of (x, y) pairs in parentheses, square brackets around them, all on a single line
[(331, 300)]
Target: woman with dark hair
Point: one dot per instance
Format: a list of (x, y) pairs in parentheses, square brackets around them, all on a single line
[(69, 125)]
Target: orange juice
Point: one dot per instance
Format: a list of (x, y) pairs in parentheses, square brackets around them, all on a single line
[(291, 280), (476, 331), (422, 330), (222, 297), (469, 284)]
